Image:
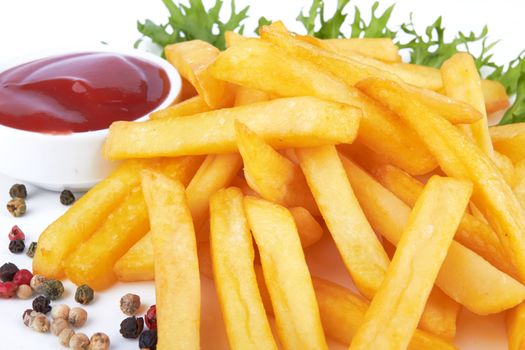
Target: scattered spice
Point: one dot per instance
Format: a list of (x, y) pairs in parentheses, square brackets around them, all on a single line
[(18, 191), (31, 250), (8, 290), (22, 277), (17, 207), (53, 289), (148, 340), (131, 327), (129, 304), (36, 282), (58, 325), (41, 304), (60, 311), (17, 246), (7, 272), (65, 336), (79, 341), (24, 292), (77, 317), (151, 317), (40, 323), (84, 294), (16, 233), (99, 341), (67, 197)]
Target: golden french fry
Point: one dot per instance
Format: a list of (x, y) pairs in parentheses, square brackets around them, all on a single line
[(519, 185), (464, 276), (287, 122), (190, 106), (382, 49), (440, 315), (310, 231), (509, 140), (192, 58), (505, 166), (177, 282), (460, 158), (247, 96), (286, 275), (363, 255), (394, 312), (495, 96), (270, 174), (515, 327), (232, 253), (63, 236)]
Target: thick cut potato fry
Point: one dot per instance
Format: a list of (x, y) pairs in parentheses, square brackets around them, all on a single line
[(310, 231), (516, 327), (177, 282), (464, 276), (287, 122), (495, 96), (63, 236), (343, 312), (270, 174), (505, 166), (509, 140), (190, 106), (382, 49), (394, 312), (472, 232), (192, 58), (247, 96), (362, 253), (233, 255), (286, 275), (519, 185), (440, 314), (460, 158)]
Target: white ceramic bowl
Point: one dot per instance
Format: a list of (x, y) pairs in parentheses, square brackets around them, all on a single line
[(73, 161)]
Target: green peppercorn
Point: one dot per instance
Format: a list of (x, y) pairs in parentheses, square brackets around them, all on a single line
[(18, 191), (17, 207), (84, 294), (53, 289), (67, 197), (31, 250)]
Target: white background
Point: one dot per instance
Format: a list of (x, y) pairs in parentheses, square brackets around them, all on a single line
[(32, 25)]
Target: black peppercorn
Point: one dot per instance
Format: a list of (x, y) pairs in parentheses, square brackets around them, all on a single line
[(41, 304), (31, 250), (148, 340), (67, 197), (18, 191), (17, 246), (7, 272), (131, 327), (84, 294)]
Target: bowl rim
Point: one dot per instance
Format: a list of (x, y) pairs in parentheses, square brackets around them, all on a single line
[(172, 73)]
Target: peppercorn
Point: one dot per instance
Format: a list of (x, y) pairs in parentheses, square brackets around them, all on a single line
[(40, 323), (22, 277), (24, 292), (8, 290), (131, 327), (7, 272), (16, 233), (53, 289), (79, 341), (60, 311), (58, 325), (77, 317), (67, 197), (148, 339), (31, 250), (129, 304), (17, 207), (17, 246), (36, 282), (41, 304), (99, 341), (151, 317), (65, 336), (18, 191), (84, 294), (28, 315)]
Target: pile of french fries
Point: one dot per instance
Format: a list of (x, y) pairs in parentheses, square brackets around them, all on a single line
[(289, 138)]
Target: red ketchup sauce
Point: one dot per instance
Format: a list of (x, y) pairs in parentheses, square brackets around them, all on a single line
[(80, 92)]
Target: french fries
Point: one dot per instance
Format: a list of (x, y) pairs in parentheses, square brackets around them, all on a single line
[(382, 49), (509, 140), (234, 275), (464, 276), (247, 96), (519, 186), (363, 255), (515, 327), (288, 122), (286, 275), (397, 306), (177, 282), (190, 106)]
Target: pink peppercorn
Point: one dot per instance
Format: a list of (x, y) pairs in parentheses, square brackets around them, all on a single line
[(22, 277), (8, 290), (151, 317), (16, 234)]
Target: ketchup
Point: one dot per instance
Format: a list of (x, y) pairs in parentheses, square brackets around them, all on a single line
[(80, 92)]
